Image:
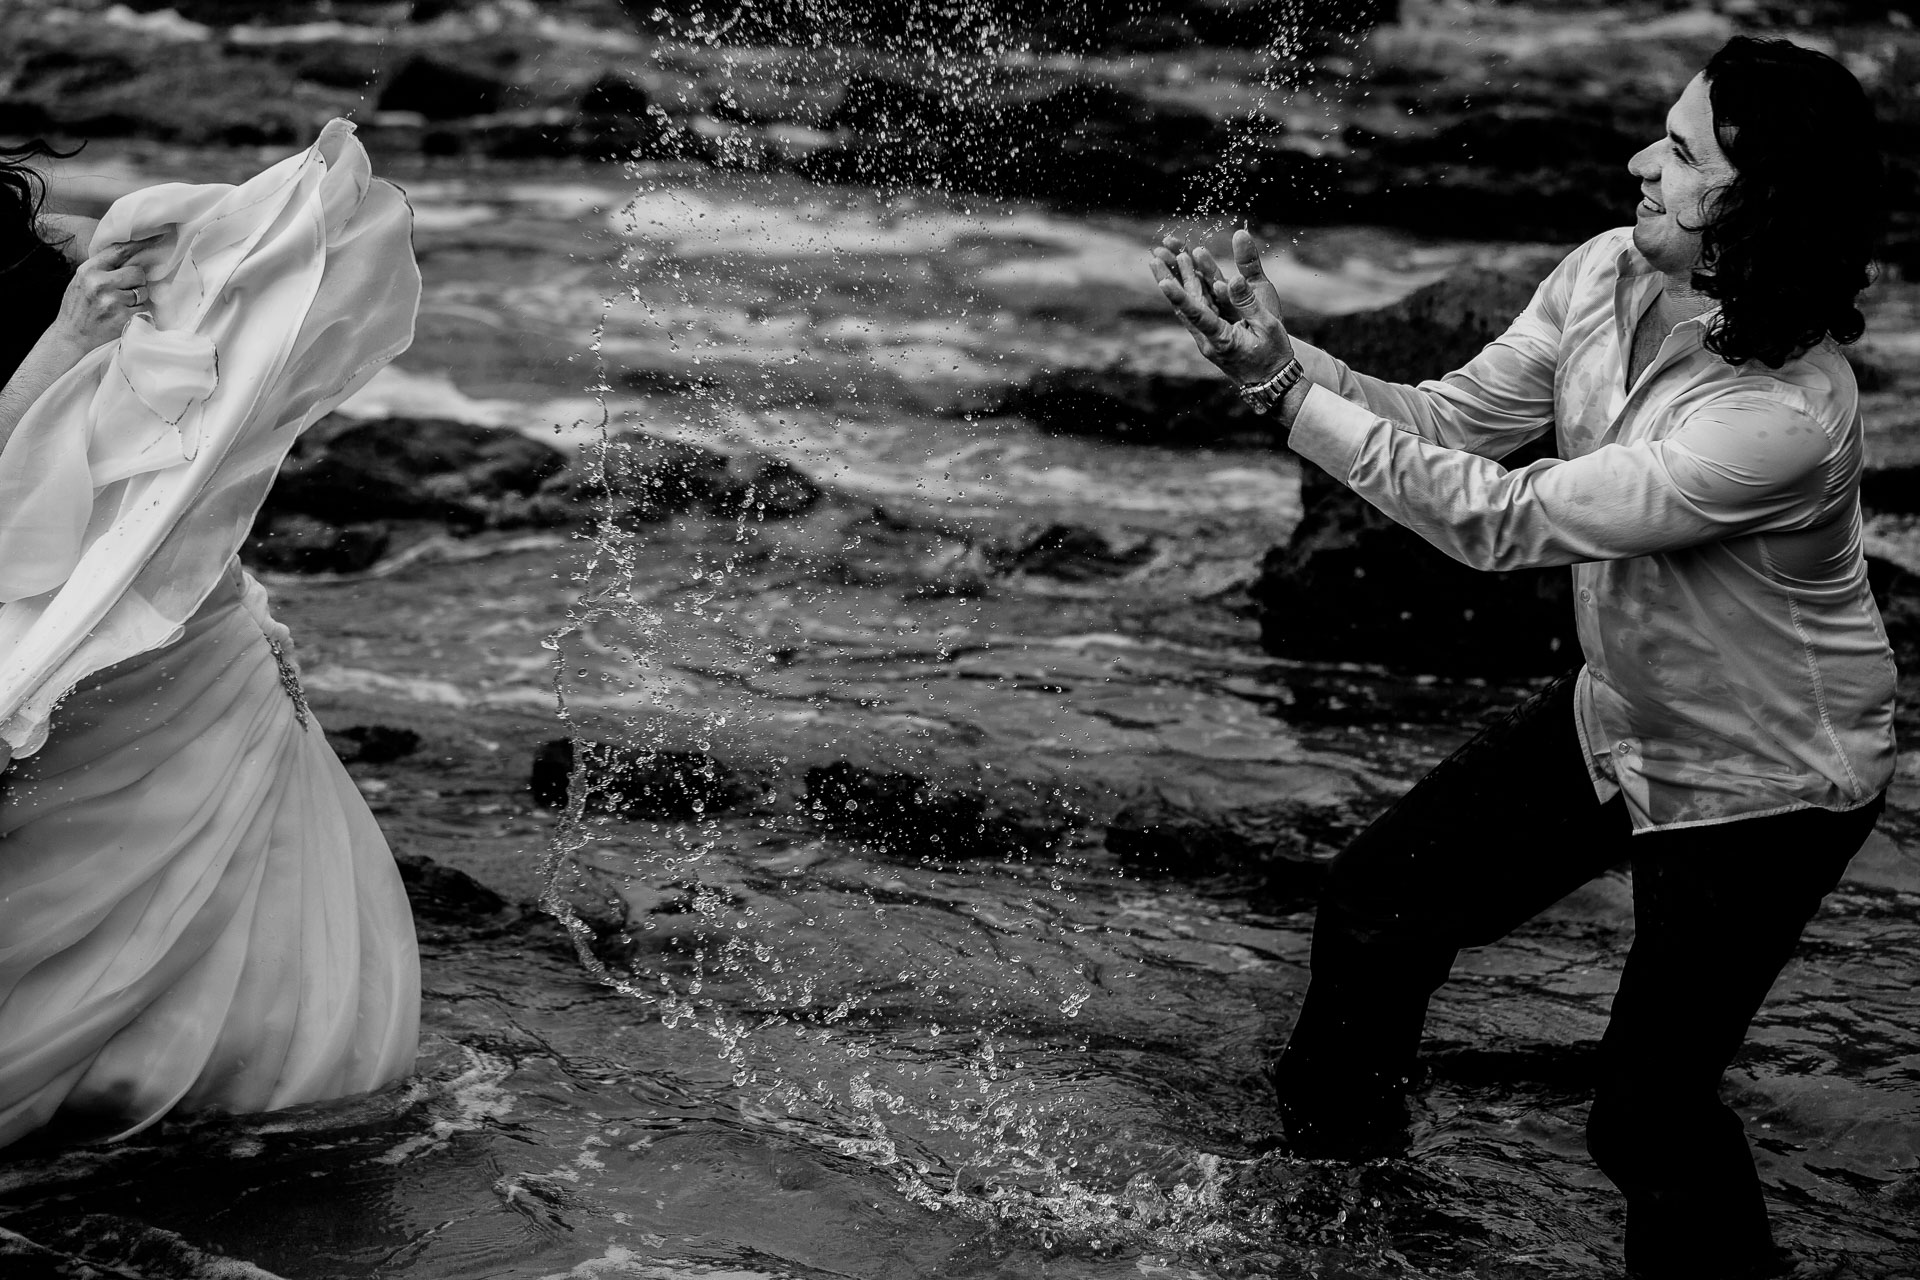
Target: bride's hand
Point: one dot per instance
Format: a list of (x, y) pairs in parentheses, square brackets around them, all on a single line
[(1235, 323), (105, 290)]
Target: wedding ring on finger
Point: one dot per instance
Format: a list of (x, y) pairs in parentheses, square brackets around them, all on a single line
[(137, 296)]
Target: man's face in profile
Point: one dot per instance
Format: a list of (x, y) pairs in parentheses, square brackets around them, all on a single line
[(1679, 176)]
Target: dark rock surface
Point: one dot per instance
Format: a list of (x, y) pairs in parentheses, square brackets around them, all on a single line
[(643, 479), (1399, 132), (1083, 142), (373, 743), (1089, 26), (441, 91), (294, 542), (1350, 585), (436, 891), (1891, 490), (1071, 553), (900, 815), (617, 118), (1897, 592), (630, 782), (1136, 406), (449, 905), (346, 482), (422, 468), (1283, 849)]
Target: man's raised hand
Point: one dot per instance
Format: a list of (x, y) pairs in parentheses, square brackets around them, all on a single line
[(1235, 323)]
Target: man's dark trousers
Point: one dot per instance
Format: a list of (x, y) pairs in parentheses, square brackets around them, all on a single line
[(1499, 831)]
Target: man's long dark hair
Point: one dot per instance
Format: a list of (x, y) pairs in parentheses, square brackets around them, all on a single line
[(33, 273), (1789, 243)]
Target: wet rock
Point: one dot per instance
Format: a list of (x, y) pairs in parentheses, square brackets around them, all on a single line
[(1891, 490), (1083, 142), (1432, 330), (617, 118), (631, 782), (642, 478), (1531, 170), (1072, 554), (441, 893), (1897, 592), (1283, 849), (772, 490), (637, 478), (373, 743), (103, 1245), (529, 134), (1136, 406), (441, 91), (1085, 27), (1352, 586), (293, 542), (450, 906), (901, 815), (431, 468)]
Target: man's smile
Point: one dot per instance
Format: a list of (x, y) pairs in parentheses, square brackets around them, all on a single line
[(1649, 207)]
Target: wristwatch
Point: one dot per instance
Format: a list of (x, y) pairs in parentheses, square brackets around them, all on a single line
[(1262, 396)]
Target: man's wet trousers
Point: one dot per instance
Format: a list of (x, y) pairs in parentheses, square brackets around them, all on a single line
[(1499, 831)]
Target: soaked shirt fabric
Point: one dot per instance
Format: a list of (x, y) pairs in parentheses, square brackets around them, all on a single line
[(1736, 665)]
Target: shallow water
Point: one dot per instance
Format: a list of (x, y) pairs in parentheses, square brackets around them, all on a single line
[(836, 1056)]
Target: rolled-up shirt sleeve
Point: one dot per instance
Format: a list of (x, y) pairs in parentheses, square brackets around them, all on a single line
[(1493, 404), (1740, 464)]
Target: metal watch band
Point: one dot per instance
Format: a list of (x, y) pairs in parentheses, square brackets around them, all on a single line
[(1262, 396)]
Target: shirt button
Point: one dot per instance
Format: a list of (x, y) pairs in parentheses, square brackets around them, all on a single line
[(1623, 747), (1586, 596), (1601, 676)]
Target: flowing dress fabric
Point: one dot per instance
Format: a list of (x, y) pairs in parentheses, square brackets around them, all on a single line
[(197, 909)]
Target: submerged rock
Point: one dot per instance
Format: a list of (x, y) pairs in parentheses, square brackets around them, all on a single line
[(1082, 142), (1897, 592), (431, 468), (1350, 585), (441, 893), (1137, 406), (1282, 848), (774, 489), (373, 743), (1071, 553), (616, 118), (329, 508), (633, 782), (901, 815), (441, 91), (293, 542), (640, 478)]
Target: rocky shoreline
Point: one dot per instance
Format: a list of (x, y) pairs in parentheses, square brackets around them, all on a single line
[(1499, 121)]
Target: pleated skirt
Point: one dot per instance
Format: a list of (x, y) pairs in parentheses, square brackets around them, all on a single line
[(197, 910)]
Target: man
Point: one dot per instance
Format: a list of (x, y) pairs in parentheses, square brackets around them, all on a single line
[(1731, 734)]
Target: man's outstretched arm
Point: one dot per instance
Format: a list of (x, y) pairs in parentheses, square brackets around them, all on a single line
[(1494, 403), (1741, 464)]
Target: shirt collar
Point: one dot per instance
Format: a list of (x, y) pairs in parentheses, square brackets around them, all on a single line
[(1630, 265)]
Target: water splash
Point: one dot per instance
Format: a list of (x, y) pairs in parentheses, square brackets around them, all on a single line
[(871, 992)]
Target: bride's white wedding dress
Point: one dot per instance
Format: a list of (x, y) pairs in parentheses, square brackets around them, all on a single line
[(197, 910)]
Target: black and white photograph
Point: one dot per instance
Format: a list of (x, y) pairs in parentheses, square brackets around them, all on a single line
[(959, 640)]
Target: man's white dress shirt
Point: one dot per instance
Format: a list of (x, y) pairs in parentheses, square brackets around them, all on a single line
[(1735, 662)]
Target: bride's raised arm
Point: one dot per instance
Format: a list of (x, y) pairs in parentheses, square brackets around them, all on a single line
[(106, 290)]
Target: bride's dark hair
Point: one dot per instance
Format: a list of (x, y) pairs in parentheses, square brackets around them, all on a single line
[(33, 273)]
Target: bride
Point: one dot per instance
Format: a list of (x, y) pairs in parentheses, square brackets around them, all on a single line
[(197, 911)]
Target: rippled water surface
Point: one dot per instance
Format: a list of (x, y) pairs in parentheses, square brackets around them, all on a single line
[(790, 1044)]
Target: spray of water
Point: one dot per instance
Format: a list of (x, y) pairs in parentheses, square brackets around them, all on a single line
[(859, 992)]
